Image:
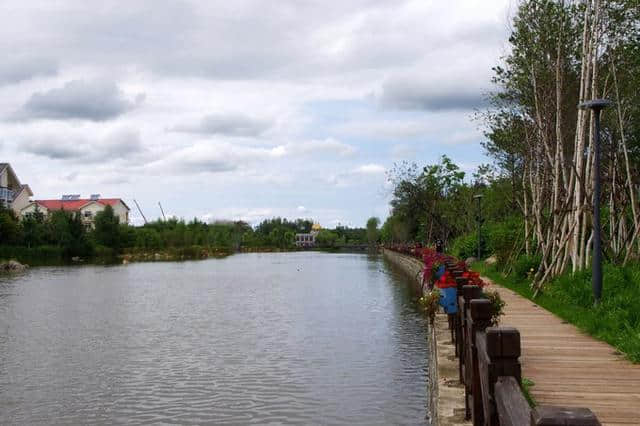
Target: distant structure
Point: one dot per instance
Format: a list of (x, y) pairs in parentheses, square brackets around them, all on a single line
[(308, 240), (87, 208), (13, 194)]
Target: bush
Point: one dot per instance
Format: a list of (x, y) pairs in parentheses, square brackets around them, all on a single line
[(105, 253), (41, 255), (524, 265), (503, 238), (465, 246)]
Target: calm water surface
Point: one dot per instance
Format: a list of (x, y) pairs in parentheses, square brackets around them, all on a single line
[(292, 338)]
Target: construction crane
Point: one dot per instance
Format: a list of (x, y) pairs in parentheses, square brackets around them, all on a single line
[(163, 217), (140, 210)]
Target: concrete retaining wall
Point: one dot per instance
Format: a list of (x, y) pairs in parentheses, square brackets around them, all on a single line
[(446, 394)]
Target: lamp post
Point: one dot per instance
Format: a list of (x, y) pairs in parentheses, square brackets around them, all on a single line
[(596, 106), (479, 219)]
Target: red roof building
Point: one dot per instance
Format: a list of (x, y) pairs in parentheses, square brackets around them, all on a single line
[(86, 207)]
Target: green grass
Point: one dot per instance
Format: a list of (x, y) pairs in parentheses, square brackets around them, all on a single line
[(526, 386), (616, 320), (35, 256)]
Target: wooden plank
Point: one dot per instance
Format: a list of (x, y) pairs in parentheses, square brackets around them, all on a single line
[(570, 368), (512, 407)]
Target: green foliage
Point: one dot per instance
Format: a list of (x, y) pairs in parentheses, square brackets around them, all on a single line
[(395, 229), (499, 238), (429, 203), (430, 303), (497, 305), (372, 230), (33, 229), (40, 255), (466, 246), (525, 266), (107, 228), (9, 227), (350, 235), (436, 202), (526, 386), (503, 238), (326, 239)]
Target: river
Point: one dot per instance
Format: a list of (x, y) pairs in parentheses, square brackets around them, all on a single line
[(277, 338)]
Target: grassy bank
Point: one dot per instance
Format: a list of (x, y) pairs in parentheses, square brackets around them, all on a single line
[(54, 256), (173, 253), (34, 256), (616, 320)]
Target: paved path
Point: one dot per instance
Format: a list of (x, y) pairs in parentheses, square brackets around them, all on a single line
[(570, 368)]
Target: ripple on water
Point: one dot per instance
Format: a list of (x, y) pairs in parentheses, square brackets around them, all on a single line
[(249, 339)]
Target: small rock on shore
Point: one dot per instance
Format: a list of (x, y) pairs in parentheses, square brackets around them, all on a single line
[(13, 266)]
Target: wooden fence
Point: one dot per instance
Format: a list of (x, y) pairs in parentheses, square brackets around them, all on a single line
[(490, 370)]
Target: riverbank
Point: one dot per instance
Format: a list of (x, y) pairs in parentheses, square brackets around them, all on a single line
[(446, 394), (12, 266), (54, 256)]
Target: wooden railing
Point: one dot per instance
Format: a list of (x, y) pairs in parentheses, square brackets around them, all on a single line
[(490, 370)]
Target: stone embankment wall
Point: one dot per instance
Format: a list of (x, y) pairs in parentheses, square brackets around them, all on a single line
[(446, 394)]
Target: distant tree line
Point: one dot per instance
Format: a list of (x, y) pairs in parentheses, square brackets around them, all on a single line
[(63, 235)]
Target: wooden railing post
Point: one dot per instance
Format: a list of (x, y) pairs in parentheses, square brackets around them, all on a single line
[(460, 282), (546, 415), (469, 292), (498, 353), (480, 310)]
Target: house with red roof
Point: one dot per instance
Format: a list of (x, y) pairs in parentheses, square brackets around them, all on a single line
[(87, 208)]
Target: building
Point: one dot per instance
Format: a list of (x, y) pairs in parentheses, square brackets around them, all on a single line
[(307, 240), (13, 194), (86, 207)]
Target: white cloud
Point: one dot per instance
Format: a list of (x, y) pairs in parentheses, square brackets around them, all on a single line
[(213, 157), (327, 146), (281, 104), (226, 124), (369, 169)]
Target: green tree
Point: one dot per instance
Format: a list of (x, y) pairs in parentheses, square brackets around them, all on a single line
[(9, 227), (372, 230), (107, 228), (326, 238), (33, 228)]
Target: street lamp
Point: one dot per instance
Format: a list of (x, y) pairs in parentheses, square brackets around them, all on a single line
[(479, 219), (596, 106)]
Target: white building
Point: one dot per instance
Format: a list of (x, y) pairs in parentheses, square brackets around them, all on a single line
[(13, 194), (87, 207), (308, 239)]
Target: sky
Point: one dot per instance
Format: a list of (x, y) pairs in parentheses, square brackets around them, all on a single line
[(244, 109)]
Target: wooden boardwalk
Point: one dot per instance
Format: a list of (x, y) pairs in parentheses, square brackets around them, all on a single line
[(570, 368)]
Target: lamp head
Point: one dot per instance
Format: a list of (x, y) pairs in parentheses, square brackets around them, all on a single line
[(595, 104)]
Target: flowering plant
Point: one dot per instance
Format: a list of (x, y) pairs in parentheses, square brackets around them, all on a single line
[(433, 266), (473, 278), (430, 302)]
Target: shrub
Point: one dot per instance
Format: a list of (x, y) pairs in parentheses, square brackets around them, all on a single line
[(497, 306), (503, 238), (524, 265), (465, 246), (430, 303)]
